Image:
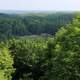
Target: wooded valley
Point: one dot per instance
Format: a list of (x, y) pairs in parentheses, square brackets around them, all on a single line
[(40, 46)]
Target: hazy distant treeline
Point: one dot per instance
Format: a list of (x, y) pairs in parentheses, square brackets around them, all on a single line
[(30, 24)]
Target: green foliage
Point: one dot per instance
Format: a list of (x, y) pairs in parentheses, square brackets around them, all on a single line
[(29, 58), (66, 53), (6, 62), (40, 57), (14, 26)]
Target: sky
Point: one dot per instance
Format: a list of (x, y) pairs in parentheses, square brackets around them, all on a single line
[(52, 5)]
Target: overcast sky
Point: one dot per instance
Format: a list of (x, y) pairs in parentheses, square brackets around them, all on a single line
[(58, 5)]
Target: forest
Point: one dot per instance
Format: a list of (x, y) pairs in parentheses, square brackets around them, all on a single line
[(12, 25), (40, 46)]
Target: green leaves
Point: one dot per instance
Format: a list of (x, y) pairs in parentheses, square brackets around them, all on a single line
[(6, 62), (66, 53), (41, 58), (29, 55)]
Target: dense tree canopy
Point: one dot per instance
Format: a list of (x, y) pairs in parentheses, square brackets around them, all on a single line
[(29, 58), (66, 53), (6, 64), (21, 25), (39, 56)]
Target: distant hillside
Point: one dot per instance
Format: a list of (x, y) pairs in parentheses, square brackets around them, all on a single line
[(32, 23)]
